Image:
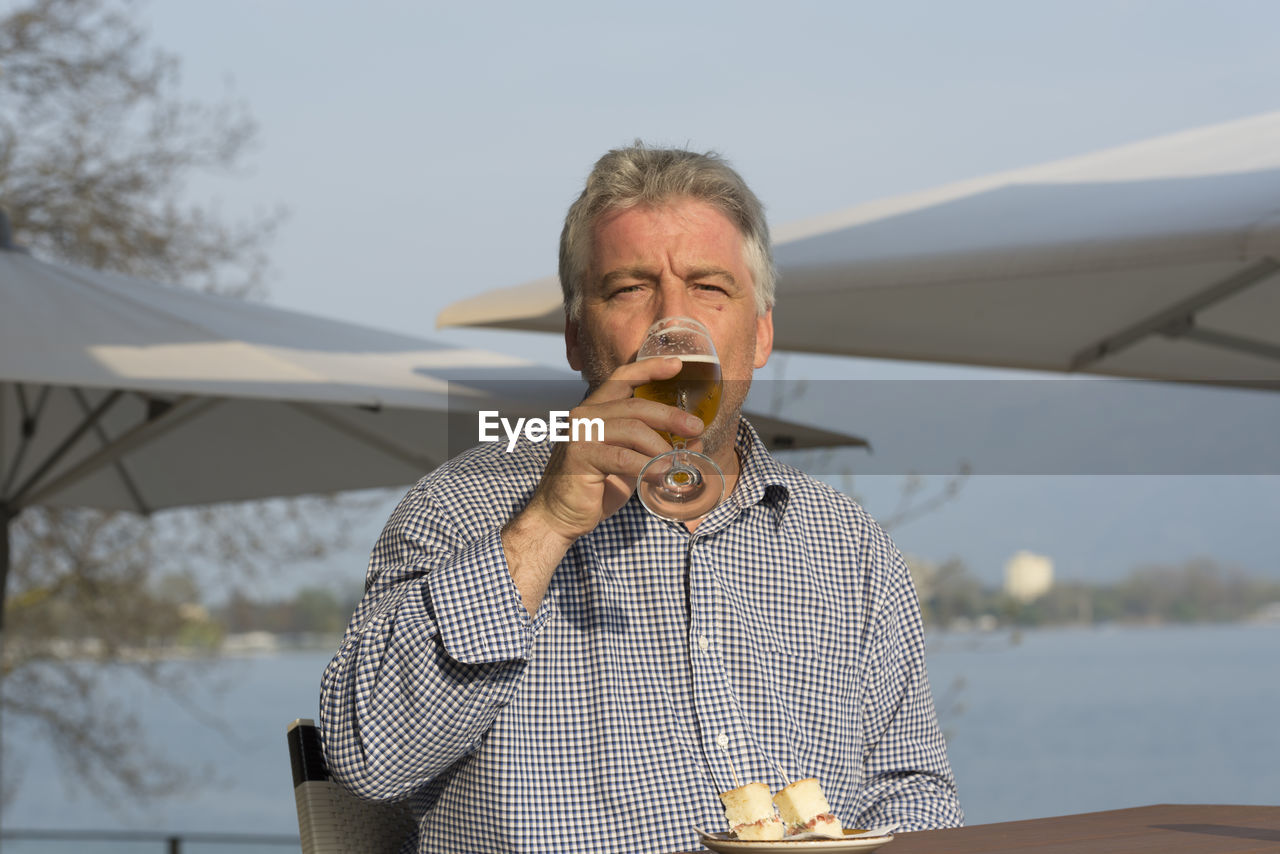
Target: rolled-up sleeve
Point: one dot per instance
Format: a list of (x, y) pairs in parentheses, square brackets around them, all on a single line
[(908, 780), (436, 648)]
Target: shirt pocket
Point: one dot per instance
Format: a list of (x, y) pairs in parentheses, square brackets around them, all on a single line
[(817, 706)]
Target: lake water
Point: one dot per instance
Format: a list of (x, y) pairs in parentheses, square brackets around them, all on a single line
[(1090, 719), (1043, 723)]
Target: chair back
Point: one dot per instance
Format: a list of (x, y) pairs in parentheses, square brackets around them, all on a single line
[(331, 820)]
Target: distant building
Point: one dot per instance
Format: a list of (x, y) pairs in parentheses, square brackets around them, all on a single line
[(1028, 576), (250, 643)]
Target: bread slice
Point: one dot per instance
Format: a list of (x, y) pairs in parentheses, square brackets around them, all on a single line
[(750, 813), (805, 810)]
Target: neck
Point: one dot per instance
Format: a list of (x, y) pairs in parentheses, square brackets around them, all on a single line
[(731, 465)]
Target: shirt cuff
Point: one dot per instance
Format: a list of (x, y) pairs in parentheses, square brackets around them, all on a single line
[(478, 610)]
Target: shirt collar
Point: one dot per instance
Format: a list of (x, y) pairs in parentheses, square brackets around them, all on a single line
[(762, 479)]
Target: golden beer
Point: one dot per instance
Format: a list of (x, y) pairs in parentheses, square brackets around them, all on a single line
[(696, 389)]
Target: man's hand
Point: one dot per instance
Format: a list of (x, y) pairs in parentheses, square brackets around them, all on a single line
[(585, 482)]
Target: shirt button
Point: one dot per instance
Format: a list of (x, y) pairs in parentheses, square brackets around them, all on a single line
[(703, 643), (723, 740)]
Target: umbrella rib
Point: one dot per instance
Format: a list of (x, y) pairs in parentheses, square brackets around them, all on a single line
[(1227, 341), (1179, 316), (66, 445), (367, 437), (125, 478), (182, 410), (30, 419)]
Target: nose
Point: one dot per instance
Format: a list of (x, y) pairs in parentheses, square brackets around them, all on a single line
[(673, 298)]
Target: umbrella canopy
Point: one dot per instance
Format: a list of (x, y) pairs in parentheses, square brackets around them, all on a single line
[(123, 394), (118, 393), (1154, 260)]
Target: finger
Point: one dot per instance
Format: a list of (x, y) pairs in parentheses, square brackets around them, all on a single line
[(589, 490), (631, 435), (622, 383), (656, 416)]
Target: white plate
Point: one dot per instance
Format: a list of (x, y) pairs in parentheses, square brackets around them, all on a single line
[(725, 843)]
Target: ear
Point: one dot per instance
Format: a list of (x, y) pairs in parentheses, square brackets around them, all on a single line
[(572, 348), (764, 338)]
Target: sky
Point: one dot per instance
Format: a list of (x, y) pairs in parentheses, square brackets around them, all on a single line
[(427, 152)]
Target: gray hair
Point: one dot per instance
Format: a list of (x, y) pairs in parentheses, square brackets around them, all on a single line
[(639, 175)]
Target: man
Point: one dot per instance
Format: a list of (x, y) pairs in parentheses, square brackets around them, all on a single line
[(540, 664)]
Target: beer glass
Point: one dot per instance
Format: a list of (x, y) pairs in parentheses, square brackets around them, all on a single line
[(682, 485)]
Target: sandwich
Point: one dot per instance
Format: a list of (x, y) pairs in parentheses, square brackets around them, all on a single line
[(805, 810), (750, 813)]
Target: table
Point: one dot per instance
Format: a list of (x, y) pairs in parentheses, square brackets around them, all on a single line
[(1164, 828), (1160, 829)]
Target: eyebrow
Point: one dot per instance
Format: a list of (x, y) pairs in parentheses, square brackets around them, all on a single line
[(628, 273), (712, 273), (648, 275)]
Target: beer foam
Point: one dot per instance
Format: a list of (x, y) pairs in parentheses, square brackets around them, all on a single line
[(691, 357)]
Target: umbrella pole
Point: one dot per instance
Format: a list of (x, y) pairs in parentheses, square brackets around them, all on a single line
[(6, 516)]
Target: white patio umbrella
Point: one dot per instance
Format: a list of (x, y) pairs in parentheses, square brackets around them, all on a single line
[(1153, 260), (117, 393)]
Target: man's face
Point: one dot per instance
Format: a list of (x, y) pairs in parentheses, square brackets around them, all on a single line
[(683, 258)]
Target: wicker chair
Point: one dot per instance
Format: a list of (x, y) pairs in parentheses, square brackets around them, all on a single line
[(331, 819)]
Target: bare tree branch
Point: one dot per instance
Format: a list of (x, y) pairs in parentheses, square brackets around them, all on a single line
[(97, 145)]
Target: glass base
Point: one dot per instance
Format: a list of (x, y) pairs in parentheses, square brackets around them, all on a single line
[(680, 485)]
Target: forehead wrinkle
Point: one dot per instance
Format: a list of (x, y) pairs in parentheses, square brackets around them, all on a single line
[(690, 220)]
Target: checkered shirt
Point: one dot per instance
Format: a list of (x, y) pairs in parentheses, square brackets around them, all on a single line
[(781, 640)]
